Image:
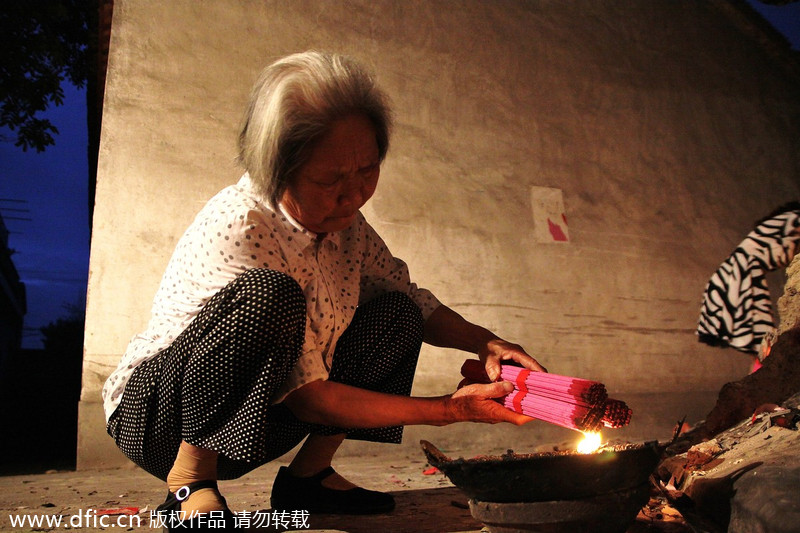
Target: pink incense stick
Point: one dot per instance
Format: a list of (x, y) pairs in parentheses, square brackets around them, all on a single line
[(556, 405), (567, 398), (557, 409), (561, 413), (547, 417), (570, 402), (590, 391), (616, 414), (585, 422), (511, 372)]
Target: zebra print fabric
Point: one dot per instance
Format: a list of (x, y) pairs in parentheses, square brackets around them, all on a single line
[(737, 309)]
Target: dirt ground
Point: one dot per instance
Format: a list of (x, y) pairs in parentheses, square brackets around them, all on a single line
[(426, 502)]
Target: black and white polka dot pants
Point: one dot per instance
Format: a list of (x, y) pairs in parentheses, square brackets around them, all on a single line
[(213, 386)]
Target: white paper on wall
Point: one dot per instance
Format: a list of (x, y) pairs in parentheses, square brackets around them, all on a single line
[(549, 219)]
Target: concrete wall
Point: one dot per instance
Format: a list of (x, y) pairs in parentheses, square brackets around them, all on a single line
[(662, 129)]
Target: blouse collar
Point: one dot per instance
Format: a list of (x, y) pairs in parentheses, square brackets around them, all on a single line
[(333, 238), (310, 237)]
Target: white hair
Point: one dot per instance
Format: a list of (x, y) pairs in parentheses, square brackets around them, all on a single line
[(293, 103)]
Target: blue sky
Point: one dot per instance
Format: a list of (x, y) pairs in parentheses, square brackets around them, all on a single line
[(784, 18), (52, 249)]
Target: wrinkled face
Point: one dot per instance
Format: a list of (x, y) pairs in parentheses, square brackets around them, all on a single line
[(339, 177)]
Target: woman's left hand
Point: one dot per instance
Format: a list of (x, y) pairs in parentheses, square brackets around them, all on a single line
[(498, 350)]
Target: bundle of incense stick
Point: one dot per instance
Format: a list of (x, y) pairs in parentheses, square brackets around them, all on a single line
[(617, 414), (569, 402)]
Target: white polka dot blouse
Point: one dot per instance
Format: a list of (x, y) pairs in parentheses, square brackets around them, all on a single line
[(236, 231)]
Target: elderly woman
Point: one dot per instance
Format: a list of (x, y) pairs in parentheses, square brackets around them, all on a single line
[(282, 315)]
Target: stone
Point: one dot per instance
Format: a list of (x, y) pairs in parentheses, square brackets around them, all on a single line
[(767, 500), (776, 381), (789, 302), (752, 486), (701, 454)]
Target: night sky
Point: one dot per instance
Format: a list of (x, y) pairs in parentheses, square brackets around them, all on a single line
[(50, 190), (784, 18)]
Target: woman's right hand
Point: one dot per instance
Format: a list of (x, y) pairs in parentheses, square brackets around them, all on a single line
[(476, 403)]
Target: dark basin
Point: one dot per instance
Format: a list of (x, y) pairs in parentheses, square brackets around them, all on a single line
[(548, 476)]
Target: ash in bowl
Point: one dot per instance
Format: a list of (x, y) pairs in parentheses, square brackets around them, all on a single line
[(510, 455), (548, 476)]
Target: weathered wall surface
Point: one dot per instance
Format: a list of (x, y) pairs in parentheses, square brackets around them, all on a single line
[(789, 302), (667, 131)]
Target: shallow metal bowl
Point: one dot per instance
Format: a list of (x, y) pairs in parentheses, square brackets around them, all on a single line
[(548, 476)]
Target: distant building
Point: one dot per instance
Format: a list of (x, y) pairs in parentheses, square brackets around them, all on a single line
[(12, 302)]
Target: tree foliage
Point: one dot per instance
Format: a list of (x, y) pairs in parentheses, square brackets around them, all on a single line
[(42, 44), (65, 335)]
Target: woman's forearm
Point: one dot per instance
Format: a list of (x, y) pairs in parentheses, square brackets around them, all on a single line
[(448, 329), (335, 404)]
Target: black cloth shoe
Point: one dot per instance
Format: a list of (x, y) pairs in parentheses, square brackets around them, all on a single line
[(290, 493), (173, 519)]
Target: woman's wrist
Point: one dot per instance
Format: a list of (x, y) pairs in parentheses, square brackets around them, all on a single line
[(449, 411)]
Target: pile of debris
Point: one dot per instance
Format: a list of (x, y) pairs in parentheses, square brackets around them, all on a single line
[(777, 380), (739, 470), (746, 479)]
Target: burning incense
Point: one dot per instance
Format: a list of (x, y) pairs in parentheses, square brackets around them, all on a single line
[(570, 402), (616, 414), (590, 443)]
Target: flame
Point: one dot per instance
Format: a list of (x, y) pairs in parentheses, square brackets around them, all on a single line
[(590, 443)]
